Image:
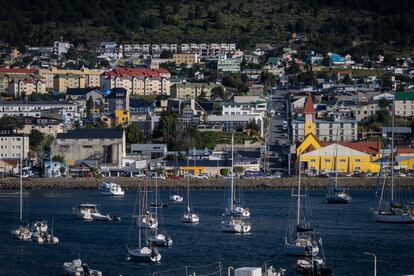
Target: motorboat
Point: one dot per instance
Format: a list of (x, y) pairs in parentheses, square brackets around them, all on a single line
[(160, 240), (77, 268), (41, 233), (111, 189), (144, 255), (235, 225), (85, 210), (313, 266), (176, 198)]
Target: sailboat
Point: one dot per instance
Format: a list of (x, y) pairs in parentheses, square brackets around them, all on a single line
[(232, 222), (22, 232), (174, 196), (189, 216), (335, 194), (157, 238), (392, 211), (301, 241), (144, 254), (146, 218)]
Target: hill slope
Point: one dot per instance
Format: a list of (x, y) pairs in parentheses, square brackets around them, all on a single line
[(359, 26)]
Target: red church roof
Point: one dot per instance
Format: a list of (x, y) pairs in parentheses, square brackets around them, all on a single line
[(369, 147), (309, 106)]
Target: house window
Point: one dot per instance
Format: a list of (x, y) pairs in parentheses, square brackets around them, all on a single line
[(357, 160), (313, 160), (342, 161), (87, 146)]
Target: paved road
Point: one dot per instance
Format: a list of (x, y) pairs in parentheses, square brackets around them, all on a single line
[(278, 138)]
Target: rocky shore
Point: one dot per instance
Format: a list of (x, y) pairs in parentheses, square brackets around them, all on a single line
[(364, 183)]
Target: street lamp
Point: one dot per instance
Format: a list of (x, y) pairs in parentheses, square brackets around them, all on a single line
[(375, 261)]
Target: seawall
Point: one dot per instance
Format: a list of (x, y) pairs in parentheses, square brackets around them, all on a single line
[(364, 183)]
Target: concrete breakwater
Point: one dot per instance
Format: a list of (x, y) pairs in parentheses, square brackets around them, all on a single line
[(364, 183)]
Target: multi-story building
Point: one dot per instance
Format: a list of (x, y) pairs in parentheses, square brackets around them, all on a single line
[(138, 81), (9, 74), (60, 47), (68, 112), (188, 90), (26, 86), (111, 50), (47, 126), (186, 58), (225, 64), (91, 77), (13, 145), (323, 130), (245, 105), (61, 82), (103, 145), (404, 104), (118, 99)]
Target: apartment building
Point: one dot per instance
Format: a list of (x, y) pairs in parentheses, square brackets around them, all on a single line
[(26, 86), (138, 81), (61, 82), (404, 104), (9, 74), (185, 58), (226, 64), (13, 145), (188, 90)]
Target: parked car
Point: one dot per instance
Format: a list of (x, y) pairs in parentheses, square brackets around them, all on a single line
[(202, 176)]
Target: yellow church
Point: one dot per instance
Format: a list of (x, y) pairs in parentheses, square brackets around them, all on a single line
[(324, 156)]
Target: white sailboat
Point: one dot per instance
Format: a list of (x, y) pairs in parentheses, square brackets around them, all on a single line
[(175, 196), (144, 254), (146, 218), (232, 222), (189, 216), (393, 211), (22, 232), (301, 241), (157, 238)]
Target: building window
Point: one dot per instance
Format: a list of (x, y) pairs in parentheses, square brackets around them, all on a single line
[(357, 160), (313, 160)]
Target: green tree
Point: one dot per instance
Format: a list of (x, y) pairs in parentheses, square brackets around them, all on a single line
[(384, 103), (89, 105), (34, 97), (134, 135), (58, 158), (347, 80), (35, 138)]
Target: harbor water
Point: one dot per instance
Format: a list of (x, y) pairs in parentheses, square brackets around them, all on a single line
[(347, 232)]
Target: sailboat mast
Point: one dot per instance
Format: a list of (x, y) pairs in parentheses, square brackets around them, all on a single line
[(231, 174), (188, 189), (139, 217), (298, 211), (156, 200), (21, 183), (336, 159), (392, 149)]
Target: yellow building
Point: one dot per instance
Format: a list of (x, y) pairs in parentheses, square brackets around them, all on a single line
[(122, 117), (405, 158), (185, 58), (62, 82)]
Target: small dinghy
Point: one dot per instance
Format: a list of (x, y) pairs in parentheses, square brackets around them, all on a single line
[(76, 268), (160, 240)]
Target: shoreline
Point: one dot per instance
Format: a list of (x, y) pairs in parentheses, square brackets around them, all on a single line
[(355, 183)]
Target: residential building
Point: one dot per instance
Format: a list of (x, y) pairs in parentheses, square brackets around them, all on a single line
[(9, 74), (404, 104), (61, 82), (324, 130), (122, 117), (26, 86), (189, 90), (92, 77), (231, 123), (103, 145), (245, 105), (138, 81), (117, 99), (47, 126), (225, 64), (68, 112), (83, 94), (185, 58), (140, 106), (60, 47), (402, 135), (111, 50), (13, 145)]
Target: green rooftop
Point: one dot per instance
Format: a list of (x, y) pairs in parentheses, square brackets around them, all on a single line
[(404, 96)]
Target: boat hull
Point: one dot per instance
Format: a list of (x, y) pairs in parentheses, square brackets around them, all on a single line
[(235, 227), (389, 218), (190, 218), (138, 256), (338, 200), (295, 250)]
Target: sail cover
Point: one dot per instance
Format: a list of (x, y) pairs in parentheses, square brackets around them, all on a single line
[(301, 229)]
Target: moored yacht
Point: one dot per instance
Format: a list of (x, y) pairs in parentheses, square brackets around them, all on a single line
[(235, 225), (85, 210), (77, 268), (111, 189), (189, 216)]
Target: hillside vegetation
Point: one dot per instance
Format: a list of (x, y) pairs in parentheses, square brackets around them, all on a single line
[(356, 26)]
